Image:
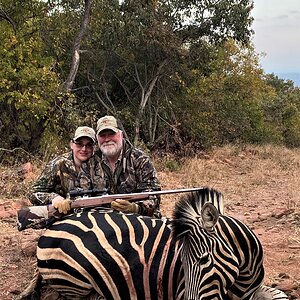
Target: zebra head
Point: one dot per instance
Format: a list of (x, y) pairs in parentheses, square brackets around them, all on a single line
[(209, 268)]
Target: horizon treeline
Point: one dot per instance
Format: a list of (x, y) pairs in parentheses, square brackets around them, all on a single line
[(182, 76)]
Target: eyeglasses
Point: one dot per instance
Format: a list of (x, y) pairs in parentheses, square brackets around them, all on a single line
[(81, 145)]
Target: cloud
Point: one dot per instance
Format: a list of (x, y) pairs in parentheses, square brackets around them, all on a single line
[(281, 17), (277, 33)]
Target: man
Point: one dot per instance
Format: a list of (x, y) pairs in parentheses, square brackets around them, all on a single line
[(124, 169), (67, 172)]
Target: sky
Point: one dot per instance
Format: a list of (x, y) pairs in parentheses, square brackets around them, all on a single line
[(277, 35)]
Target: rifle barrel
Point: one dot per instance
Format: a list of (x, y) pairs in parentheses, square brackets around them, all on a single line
[(106, 199), (172, 191), (36, 216)]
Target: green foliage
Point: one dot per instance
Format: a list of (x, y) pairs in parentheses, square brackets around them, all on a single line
[(291, 121), (284, 110), (172, 165), (227, 106), (181, 75), (135, 49), (27, 83)]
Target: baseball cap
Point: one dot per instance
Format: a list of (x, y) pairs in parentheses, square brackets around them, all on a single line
[(107, 122), (85, 131)]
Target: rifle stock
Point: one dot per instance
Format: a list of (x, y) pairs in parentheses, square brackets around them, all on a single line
[(38, 217)]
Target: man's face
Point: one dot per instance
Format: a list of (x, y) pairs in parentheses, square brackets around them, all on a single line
[(110, 142), (83, 149)]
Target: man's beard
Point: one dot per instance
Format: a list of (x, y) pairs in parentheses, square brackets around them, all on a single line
[(111, 149)]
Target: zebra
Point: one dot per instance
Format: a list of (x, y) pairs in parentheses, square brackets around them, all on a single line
[(222, 258), (117, 256)]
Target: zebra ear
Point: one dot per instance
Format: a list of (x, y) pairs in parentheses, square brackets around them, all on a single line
[(210, 216)]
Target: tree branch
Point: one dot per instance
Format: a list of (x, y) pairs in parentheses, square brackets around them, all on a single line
[(6, 17), (76, 48)]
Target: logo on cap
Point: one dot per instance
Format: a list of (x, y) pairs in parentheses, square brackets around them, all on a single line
[(85, 131)]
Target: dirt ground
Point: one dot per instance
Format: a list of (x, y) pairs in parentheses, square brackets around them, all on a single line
[(260, 187)]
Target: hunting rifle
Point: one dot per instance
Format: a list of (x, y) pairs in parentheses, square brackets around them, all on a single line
[(43, 216)]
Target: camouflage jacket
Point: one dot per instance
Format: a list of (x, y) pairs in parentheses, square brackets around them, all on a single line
[(59, 177), (134, 173)]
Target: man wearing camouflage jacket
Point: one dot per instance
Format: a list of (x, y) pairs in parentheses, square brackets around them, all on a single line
[(124, 169), (67, 172)]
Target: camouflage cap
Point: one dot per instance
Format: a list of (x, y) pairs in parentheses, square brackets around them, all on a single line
[(85, 131), (107, 122)]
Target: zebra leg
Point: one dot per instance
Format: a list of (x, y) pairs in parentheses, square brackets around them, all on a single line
[(268, 293)]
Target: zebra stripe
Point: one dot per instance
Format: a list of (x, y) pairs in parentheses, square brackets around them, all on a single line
[(222, 258), (118, 256)]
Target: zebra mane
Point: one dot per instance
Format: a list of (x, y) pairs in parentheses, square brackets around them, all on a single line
[(187, 210)]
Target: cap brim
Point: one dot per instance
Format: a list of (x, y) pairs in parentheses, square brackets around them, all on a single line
[(114, 129), (84, 135)]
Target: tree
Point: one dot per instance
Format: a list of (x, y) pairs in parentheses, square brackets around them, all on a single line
[(134, 58), (227, 106), (150, 43), (284, 110), (34, 98), (27, 84), (76, 48)]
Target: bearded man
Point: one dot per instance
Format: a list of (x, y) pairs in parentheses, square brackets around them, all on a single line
[(124, 169)]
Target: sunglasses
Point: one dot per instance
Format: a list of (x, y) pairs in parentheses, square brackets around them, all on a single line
[(81, 145)]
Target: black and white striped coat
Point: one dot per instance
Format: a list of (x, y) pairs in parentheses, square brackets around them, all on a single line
[(116, 255)]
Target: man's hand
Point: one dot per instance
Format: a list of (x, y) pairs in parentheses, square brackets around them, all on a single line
[(63, 206), (124, 206)]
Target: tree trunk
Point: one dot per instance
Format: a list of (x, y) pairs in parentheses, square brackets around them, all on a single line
[(76, 48), (145, 95)]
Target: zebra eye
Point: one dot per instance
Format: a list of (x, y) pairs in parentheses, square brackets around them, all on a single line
[(204, 257), (202, 260)]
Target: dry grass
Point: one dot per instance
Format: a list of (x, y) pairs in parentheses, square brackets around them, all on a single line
[(270, 171), (265, 172), (235, 170), (14, 183)]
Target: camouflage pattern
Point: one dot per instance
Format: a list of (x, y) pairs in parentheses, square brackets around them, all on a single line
[(59, 177), (134, 173)]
